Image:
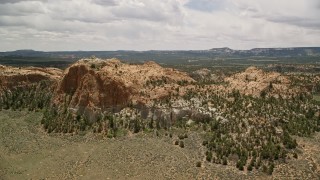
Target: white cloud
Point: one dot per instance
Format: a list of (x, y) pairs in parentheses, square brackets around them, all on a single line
[(154, 24)]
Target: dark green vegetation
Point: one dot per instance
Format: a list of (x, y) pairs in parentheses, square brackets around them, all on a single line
[(258, 132), (36, 61), (33, 97)]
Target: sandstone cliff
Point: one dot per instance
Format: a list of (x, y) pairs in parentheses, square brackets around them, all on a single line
[(95, 85)]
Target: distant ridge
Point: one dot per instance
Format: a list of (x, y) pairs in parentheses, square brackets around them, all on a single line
[(290, 51), (214, 52)]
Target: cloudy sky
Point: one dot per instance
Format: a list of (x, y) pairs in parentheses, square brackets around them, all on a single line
[(53, 25)]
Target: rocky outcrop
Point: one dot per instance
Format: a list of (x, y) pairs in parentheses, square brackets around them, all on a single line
[(11, 77), (206, 75), (254, 81), (27, 88), (95, 85)]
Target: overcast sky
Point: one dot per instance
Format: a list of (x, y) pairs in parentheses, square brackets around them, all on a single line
[(53, 25)]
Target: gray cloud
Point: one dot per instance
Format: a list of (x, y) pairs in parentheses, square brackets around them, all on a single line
[(301, 13), (149, 10), (206, 5), (17, 1), (21, 9), (297, 21), (105, 2), (132, 13)]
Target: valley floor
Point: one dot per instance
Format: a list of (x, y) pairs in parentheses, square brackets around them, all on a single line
[(27, 152)]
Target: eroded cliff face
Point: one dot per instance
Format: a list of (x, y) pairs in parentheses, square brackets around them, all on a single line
[(95, 85), (91, 89)]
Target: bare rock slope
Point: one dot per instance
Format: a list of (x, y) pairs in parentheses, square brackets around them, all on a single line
[(99, 85)]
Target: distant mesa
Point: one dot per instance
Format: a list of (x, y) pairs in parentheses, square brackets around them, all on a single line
[(141, 55), (24, 50), (224, 49)]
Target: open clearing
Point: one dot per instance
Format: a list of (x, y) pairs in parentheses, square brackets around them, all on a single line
[(27, 152)]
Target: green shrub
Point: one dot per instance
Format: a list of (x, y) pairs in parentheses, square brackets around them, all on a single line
[(209, 156), (176, 142), (204, 143), (181, 144), (186, 135), (181, 136), (225, 162)]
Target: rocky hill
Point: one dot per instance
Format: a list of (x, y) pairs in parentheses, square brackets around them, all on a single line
[(96, 85), (91, 86), (27, 87), (109, 85), (11, 77), (256, 82)]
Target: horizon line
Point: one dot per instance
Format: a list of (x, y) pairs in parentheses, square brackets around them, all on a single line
[(292, 47)]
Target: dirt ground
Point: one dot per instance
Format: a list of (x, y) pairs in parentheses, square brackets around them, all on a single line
[(27, 152)]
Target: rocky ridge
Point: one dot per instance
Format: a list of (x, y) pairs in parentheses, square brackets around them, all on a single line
[(92, 86), (11, 77), (95, 85)]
